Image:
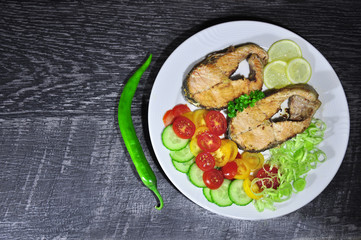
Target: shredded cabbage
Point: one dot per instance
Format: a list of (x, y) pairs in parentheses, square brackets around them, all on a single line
[(294, 159)]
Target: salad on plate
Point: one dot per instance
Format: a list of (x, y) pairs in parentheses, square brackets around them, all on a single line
[(249, 139)]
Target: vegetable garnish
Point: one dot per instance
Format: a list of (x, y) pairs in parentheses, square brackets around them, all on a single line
[(294, 159), (213, 163), (245, 100), (176, 111), (129, 135)]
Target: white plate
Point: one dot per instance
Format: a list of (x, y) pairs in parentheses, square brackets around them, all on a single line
[(166, 93)]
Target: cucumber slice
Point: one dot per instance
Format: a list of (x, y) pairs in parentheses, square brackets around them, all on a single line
[(172, 141), (237, 194), (220, 195), (195, 175), (207, 194), (183, 155), (183, 166)]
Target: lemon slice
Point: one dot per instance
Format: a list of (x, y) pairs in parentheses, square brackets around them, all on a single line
[(299, 70), (284, 50), (275, 75)]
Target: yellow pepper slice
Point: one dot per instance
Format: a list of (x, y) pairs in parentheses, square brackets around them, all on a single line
[(250, 189)]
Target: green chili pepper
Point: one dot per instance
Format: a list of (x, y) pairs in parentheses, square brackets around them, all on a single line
[(128, 132)]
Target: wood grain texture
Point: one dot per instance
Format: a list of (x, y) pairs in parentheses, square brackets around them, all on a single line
[(65, 172)]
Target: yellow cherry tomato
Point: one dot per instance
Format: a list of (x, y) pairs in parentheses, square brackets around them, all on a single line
[(200, 130), (253, 160), (193, 146), (250, 189), (189, 115), (243, 171), (234, 149), (199, 117), (226, 153)]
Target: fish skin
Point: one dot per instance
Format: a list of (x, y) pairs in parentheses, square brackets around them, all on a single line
[(253, 129), (208, 84), (300, 108)]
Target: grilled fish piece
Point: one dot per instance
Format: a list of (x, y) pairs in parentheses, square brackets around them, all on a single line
[(208, 84), (254, 130)]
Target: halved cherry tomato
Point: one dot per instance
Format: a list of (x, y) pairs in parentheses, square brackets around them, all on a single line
[(193, 146), (208, 142), (230, 170), (199, 117), (216, 122), (183, 127), (168, 117), (268, 177), (253, 160), (180, 109), (226, 153), (233, 148), (243, 170), (176, 111), (189, 115), (205, 161), (200, 130), (213, 178)]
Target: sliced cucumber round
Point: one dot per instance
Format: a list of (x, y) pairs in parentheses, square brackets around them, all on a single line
[(237, 194), (207, 194), (195, 175), (183, 166), (172, 141), (220, 195), (183, 155)]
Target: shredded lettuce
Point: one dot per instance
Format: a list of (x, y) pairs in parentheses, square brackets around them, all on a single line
[(294, 159)]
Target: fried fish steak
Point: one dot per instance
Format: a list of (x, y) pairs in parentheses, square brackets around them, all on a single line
[(209, 84), (254, 130)]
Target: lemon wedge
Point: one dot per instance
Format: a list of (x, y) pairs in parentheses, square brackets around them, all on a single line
[(275, 74), (299, 70), (284, 50)]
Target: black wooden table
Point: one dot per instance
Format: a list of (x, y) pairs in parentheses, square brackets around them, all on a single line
[(65, 172)]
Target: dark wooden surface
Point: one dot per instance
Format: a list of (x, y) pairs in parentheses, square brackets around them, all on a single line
[(64, 169)]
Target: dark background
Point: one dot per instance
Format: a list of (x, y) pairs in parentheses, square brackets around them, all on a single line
[(64, 169)]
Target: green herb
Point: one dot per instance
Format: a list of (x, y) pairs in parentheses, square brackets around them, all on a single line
[(244, 101)]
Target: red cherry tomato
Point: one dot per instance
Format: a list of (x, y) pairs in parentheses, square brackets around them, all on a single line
[(270, 175), (183, 127), (176, 111), (180, 109), (213, 178), (208, 142), (205, 161), (168, 117), (216, 122), (230, 170)]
